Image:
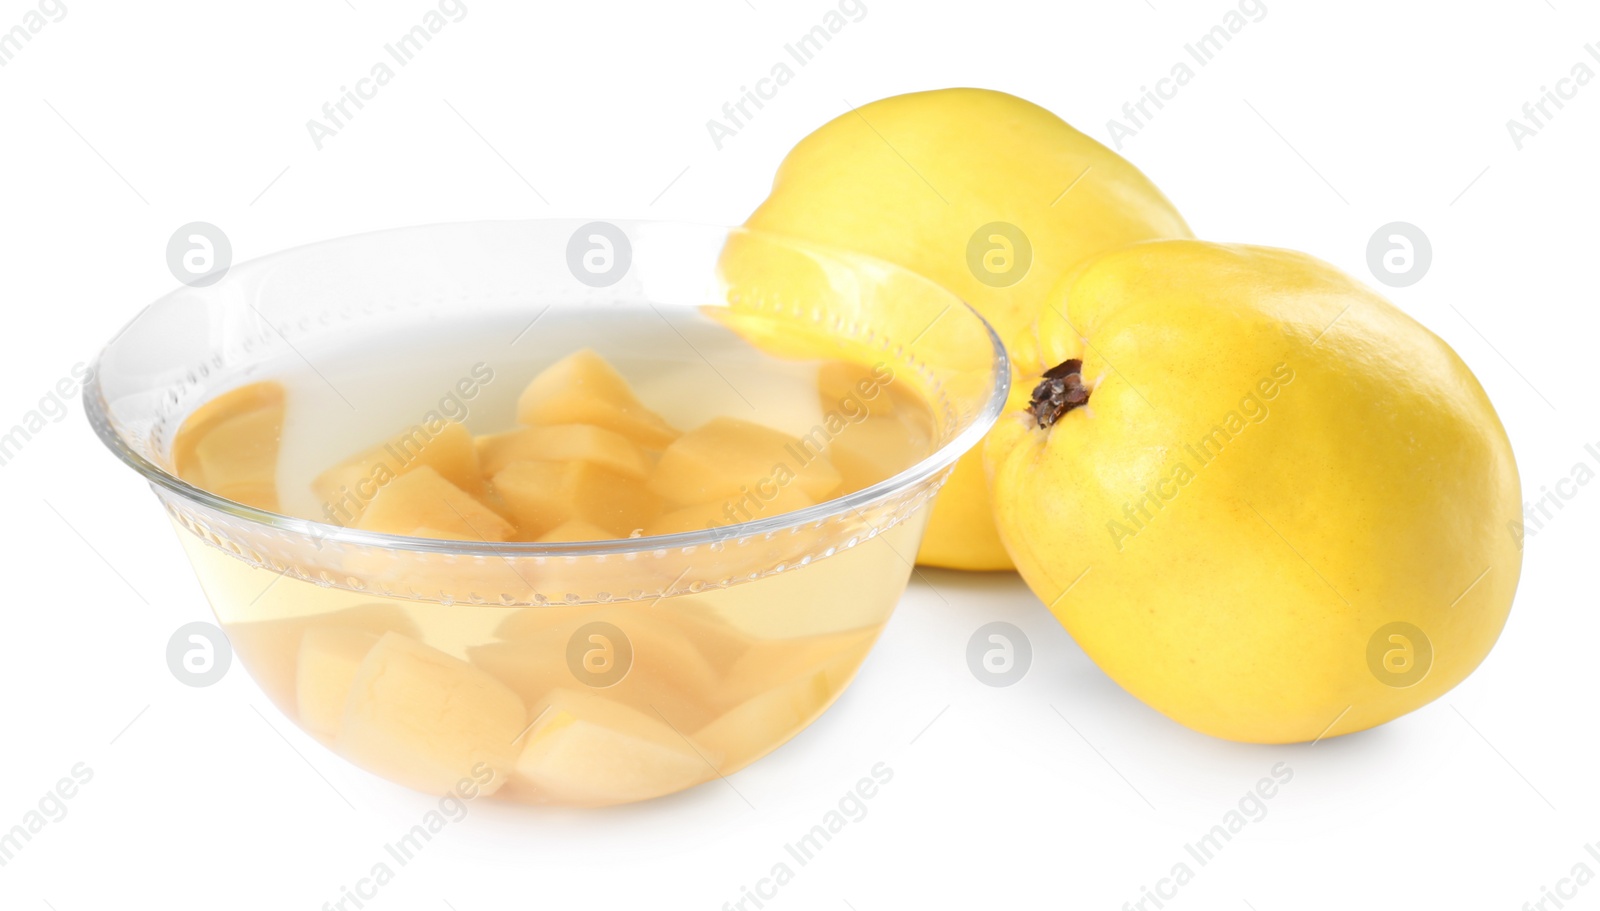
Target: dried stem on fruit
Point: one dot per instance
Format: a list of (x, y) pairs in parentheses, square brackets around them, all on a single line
[(1060, 391)]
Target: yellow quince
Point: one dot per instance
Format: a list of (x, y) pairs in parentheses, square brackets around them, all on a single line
[(986, 194), (1264, 500)]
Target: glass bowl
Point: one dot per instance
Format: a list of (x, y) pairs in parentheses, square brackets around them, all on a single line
[(580, 673)]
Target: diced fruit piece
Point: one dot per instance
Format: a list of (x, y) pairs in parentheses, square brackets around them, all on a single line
[(563, 443), (747, 508), (239, 457), (270, 649), (492, 499), (536, 494), (762, 723), (421, 503), (791, 687), (725, 458), (668, 672), (827, 610), (582, 388), (543, 495), (575, 530), (524, 622), (770, 661), (426, 719), (584, 749), (841, 382), (690, 518), (348, 487), (229, 445), (720, 644), (875, 449), (198, 425), (329, 659)]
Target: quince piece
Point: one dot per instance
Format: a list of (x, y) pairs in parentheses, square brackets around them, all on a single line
[(426, 719), (543, 495), (726, 458), (328, 661), (786, 686), (348, 488), (746, 508), (270, 649), (586, 750), (877, 448), (563, 443), (583, 388), (421, 503), (842, 384), (666, 672), (229, 445), (574, 530)]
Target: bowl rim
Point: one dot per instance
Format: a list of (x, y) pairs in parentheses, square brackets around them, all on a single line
[(97, 409)]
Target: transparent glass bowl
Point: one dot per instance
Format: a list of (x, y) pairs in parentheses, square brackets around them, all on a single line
[(581, 673)]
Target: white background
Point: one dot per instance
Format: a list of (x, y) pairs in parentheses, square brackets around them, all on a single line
[(1312, 128)]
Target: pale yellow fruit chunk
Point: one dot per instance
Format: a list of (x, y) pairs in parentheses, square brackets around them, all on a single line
[(543, 495), (421, 503), (785, 685), (762, 723), (876, 449), (239, 458), (746, 508), (329, 659), (582, 388), (717, 642), (229, 445), (842, 385), (203, 420), (270, 649), (349, 486), (574, 530), (563, 443), (668, 673), (725, 458), (426, 719), (586, 750), (768, 662)]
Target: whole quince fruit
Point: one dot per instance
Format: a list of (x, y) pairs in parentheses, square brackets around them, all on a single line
[(1264, 500), (988, 195)]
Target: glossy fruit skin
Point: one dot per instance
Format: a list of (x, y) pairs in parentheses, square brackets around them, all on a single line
[(1362, 478), (911, 179)]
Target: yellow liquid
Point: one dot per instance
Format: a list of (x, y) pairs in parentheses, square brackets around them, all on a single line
[(587, 704)]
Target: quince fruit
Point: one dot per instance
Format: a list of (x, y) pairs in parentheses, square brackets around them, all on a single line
[(986, 194), (1261, 498)]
